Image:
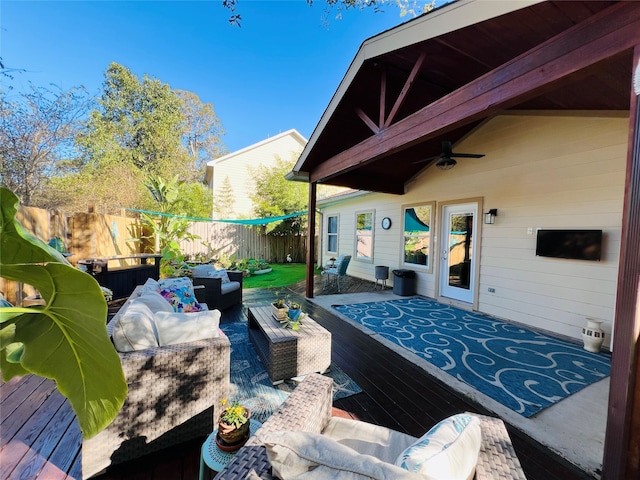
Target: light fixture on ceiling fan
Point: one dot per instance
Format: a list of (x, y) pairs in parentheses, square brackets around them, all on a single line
[(445, 158)]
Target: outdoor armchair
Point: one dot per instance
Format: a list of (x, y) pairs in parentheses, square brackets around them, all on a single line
[(337, 271), (218, 292), (308, 409)]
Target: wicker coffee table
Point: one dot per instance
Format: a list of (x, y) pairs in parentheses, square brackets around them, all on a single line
[(288, 353)]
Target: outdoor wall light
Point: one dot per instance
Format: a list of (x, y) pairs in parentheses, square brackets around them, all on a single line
[(490, 216)]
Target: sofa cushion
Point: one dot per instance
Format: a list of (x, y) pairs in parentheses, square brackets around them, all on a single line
[(135, 329), (229, 287), (176, 327), (179, 293), (155, 302), (448, 451), (151, 285), (311, 456), (221, 274), (202, 271), (367, 438)]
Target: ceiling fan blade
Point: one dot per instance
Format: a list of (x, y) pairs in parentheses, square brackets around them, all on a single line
[(466, 155)]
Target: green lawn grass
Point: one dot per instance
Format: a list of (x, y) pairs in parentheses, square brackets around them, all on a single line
[(281, 275)]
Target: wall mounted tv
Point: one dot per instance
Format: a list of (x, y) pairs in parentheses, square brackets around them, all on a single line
[(573, 244)]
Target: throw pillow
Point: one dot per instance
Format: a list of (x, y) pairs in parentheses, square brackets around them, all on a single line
[(448, 451), (179, 293), (202, 271), (150, 285), (155, 302), (135, 329), (187, 327), (221, 274), (312, 456)]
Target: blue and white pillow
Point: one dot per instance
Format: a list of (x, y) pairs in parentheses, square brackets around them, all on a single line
[(448, 451)]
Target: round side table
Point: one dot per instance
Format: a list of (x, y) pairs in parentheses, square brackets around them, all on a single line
[(213, 457)]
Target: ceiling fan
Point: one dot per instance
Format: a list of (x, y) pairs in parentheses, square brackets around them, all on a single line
[(446, 160)]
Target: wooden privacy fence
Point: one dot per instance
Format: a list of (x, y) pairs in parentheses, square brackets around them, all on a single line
[(243, 241), (100, 236)]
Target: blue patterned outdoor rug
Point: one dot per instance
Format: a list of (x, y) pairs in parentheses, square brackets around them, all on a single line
[(524, 370), (250, 382)]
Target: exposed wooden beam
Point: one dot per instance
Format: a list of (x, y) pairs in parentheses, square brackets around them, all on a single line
[(622, 439), (542, 68), (311, 239), (405, 89), (383, 96), (365, 118)]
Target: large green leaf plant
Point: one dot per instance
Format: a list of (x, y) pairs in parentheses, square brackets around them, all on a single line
[(66, 339)]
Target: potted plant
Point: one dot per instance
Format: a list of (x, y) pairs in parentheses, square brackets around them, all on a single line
[(294, 311), (233, 426), (279, 309)]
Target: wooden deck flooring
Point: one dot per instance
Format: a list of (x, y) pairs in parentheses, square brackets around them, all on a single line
[(39, 436)]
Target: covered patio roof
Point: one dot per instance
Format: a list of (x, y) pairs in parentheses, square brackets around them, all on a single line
[(438, 76)]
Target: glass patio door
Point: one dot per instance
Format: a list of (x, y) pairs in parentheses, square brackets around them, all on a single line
[(457, 252)]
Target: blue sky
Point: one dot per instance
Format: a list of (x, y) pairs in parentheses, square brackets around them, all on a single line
[(277, 72)]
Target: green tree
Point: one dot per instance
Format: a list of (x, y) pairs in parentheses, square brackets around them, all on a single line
[(37, 130), (224, 202), (274, 196), (137, 122), (201, 132)]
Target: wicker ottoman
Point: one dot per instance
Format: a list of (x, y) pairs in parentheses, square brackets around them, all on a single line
[(286, 353)]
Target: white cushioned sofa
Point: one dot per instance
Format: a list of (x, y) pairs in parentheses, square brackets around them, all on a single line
[(176, 364), (303, 441)]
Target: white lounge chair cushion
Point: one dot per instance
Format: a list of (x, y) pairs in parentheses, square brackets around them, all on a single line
[(367, 438), (151, 285), (175, 327), (135, 329), (313, 456), (448, 451), (155, 302)]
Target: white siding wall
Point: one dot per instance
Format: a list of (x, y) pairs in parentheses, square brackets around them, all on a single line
[(237, 169), (540, 171)]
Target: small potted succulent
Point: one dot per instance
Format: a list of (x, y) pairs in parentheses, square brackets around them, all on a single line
[(279, 309), (233, 426), (294, 311)]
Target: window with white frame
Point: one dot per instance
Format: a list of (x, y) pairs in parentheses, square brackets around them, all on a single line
[(332, 234), (417, 221), (364, 236)]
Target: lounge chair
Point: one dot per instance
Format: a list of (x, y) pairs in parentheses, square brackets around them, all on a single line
[(337, 271), (308, 409)]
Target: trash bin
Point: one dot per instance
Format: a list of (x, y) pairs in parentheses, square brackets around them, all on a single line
[(404, 282)]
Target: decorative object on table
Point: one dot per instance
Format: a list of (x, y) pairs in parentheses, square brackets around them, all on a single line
[(592, 335), (233, 426), (108, 293), (279, 309), (294, 311)]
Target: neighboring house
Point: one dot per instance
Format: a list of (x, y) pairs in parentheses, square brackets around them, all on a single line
[(230, 177), (548, 93)]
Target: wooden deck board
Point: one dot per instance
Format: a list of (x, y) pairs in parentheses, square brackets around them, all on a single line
[(40, 437)]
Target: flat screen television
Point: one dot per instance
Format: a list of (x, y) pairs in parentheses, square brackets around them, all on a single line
[(573, 244)]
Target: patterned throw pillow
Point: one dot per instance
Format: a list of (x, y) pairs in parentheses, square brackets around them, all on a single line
[(179, 293), (449, 450), (222, 274)]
